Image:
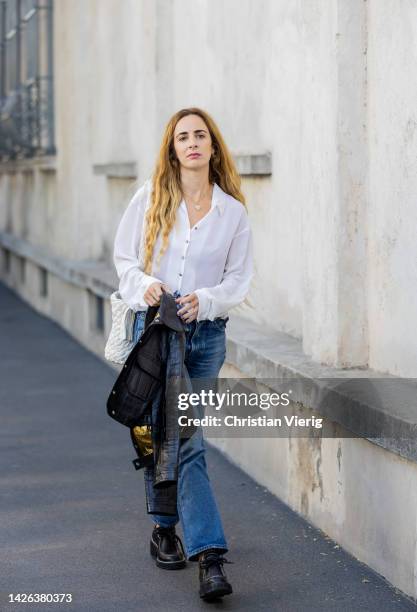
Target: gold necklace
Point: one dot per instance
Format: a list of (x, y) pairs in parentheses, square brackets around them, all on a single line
[(197, 206)]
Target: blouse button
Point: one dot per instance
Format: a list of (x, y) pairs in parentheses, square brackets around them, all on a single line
[(180, 274)]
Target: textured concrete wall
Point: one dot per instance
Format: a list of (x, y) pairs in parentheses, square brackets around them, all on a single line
[(392, 215)]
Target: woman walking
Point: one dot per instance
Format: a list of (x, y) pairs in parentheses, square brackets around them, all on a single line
[(186, 231)]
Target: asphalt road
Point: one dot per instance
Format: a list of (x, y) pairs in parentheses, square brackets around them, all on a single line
[(72, 511)]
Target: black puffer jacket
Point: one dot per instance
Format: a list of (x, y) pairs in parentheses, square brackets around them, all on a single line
[(145, 397)]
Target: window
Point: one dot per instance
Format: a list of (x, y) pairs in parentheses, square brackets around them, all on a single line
[(95, 312), (22, 269), (43, 282), (99, 313), (6, 261), (26, 79)]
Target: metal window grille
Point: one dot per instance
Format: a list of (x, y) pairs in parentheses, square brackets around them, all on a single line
[(26, 79)]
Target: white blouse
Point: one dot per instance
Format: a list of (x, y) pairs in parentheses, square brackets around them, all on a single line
[(214, 258)]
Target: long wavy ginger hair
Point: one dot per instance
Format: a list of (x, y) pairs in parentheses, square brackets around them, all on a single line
[(166, 182)]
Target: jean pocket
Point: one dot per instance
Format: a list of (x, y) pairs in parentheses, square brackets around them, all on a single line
[(220, 323)]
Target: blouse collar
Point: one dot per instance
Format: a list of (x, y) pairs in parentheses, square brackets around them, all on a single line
[(218, 199)]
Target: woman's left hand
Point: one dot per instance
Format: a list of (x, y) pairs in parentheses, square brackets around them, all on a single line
[(190, 305)]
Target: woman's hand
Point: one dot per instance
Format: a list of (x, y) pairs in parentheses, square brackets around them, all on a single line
[(152, 295), (190, 305)]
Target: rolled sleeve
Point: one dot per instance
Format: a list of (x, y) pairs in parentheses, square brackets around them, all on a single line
[(203, 304)]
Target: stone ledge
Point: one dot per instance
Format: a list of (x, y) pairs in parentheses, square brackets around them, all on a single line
[(126, 170), (267, 354), (46, 163), (253, 164), (88, 274), (262, 354)]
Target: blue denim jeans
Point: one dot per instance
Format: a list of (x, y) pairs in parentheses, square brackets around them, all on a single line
[(196, 505)]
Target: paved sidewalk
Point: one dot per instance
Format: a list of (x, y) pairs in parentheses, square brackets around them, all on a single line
[(73, 514)]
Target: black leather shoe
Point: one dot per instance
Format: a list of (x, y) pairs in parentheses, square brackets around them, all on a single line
[(213, 579), (166, 548)]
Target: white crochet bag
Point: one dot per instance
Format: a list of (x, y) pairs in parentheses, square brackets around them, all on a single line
[(120, 341)]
